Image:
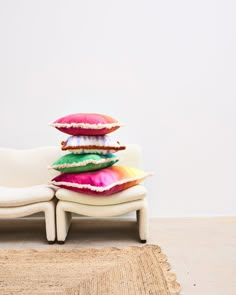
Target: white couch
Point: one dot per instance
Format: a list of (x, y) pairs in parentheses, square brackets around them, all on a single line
[(24, 189), (131, 199)]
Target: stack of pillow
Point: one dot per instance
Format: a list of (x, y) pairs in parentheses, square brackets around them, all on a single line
[(88, 166)]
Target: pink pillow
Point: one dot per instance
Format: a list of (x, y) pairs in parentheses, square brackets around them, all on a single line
[(103, 182), (86, 124)]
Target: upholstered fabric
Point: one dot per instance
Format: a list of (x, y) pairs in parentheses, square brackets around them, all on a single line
[(27, 167), (23, 170), (130, 199), (13, 197), (134, 193), (65, 209), (24, 188), (131, 156), (48, 208)]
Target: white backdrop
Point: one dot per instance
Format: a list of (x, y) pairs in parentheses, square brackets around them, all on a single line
[(166, 69)]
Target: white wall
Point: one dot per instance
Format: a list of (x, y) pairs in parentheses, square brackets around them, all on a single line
[(166, 69)]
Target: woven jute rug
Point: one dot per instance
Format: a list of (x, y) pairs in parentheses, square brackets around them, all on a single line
[(118, 271)]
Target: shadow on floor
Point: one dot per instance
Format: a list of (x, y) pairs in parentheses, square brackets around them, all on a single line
[(30, 232)]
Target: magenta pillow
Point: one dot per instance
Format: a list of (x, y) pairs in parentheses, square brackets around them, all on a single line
[(102, 182), (86, 124)]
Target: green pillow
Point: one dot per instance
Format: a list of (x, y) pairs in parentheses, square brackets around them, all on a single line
[(72, 163)]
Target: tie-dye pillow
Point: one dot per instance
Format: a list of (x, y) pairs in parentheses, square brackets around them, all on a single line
[(102, 182), (80, 144), (72, 163), (86, 124)]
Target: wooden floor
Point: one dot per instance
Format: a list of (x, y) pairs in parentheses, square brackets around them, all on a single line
[(202, 251)]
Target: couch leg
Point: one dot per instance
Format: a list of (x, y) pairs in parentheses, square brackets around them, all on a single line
[(143, 223), (63, 221), (50, 220), (61, 242), (143, 241), (51, 242)]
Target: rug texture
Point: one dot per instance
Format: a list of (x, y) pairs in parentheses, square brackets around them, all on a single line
[(118, 271)]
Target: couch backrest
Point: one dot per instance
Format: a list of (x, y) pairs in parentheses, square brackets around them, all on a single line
[(131, 156), (28, 167)]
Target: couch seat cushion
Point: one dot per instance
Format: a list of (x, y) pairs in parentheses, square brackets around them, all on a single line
[(134, 193), (13, 197)]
